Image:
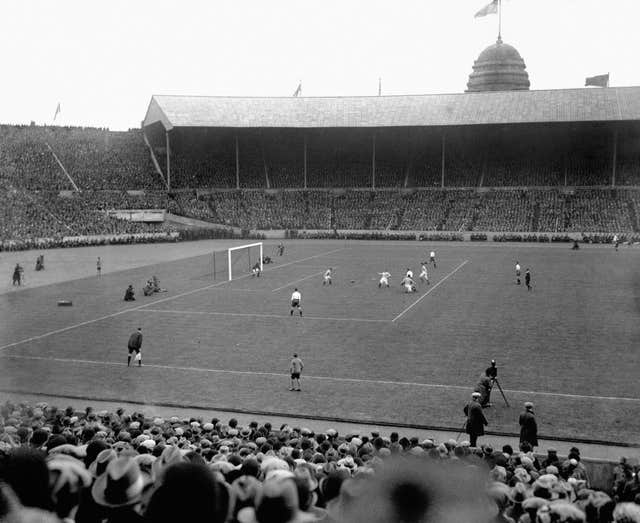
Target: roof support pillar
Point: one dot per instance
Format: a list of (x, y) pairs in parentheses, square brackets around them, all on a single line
[(237, 164), (443, 162), (615, 158), (373, 160), (305, 159), (168, 148)]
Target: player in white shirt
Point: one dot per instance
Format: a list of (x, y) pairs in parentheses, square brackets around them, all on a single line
[(409, 284), (518, 273), (255, 270), (423, 273), (384, 279), (327, 276), (432, 258), (296, 299), (409, 273)]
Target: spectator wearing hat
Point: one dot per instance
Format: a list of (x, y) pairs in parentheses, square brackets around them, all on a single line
[(552, 459), (119, 490), (528, 426), (189, 492), (476, 421)]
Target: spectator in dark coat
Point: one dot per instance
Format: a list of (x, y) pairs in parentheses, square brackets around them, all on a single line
[(475, 419), (528, 426), (484, 388)]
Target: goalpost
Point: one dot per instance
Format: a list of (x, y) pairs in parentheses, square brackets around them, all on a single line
[(237, 261)]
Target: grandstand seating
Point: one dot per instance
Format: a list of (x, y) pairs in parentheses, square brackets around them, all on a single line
[(106, 164), (87, 466), (94, 158)]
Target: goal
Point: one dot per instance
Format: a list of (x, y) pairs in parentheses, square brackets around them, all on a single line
[(236, 261)]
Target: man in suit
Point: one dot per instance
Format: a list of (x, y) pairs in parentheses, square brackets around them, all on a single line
[(475, 419), (528, 425)]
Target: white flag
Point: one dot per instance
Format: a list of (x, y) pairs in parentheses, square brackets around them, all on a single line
[(488, 9)]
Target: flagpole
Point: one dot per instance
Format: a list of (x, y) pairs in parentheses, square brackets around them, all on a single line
[(499, 20)]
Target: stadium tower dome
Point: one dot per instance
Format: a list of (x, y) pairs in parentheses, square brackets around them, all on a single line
[(499, 68)]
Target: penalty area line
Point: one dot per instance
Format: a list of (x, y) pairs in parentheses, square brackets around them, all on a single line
[(429, 291), (527, 393)]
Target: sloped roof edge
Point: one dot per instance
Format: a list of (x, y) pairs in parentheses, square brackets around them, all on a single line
[(497, 107)]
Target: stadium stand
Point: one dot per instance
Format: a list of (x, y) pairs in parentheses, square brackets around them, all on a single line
[(88, 466), (32, 215), (500, 182), (94, 158)]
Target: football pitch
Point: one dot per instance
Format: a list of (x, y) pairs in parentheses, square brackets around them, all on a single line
[(370, 354)]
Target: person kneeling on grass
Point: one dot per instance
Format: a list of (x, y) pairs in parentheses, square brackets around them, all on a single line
[(148, 288), (129, 294), (256, 270)]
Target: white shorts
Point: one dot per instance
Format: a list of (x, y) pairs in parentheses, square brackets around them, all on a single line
[(384, 281)]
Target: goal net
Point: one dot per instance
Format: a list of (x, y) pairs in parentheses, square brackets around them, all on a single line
[(236, 261)]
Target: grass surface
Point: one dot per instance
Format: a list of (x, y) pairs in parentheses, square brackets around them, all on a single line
[(570, 345)]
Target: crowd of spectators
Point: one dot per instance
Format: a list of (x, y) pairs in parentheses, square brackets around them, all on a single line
[(505, 211), (41, 214), (99, 159), (95, 159), (89, 467), (523, 172), (531, 210), (27, 215)]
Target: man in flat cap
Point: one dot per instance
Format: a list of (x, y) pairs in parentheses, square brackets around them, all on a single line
[(528, 426), (475, 419)]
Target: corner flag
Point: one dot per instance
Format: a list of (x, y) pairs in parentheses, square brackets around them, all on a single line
[(601, 80), (57, 112), (298, 91), (488, 9)]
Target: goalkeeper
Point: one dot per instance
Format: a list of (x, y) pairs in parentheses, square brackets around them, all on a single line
[(256, 271)]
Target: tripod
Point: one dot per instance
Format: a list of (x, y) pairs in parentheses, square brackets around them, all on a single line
[(495, 380)]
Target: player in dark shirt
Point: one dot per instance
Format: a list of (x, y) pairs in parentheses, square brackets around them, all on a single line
[(527, 279), (17, 275)]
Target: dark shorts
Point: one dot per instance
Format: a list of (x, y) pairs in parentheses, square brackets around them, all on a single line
[(295, 375), (133, 349), (517, 273), (295, 303)]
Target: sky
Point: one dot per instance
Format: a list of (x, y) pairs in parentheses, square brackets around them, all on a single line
[(102, 61)]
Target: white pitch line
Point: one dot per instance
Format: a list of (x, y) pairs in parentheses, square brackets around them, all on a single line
[(251, 315), (140, 307), (431, 289), (297, 281), (528, 393)]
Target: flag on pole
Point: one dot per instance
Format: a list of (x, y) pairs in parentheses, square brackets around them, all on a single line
[(379, 86), (601, 80), (57, 112), (488, 9), (298, 90)]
